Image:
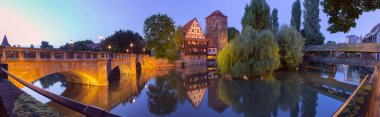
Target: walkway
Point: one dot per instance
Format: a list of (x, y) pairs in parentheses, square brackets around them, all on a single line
[(375, 107), (359, 47)]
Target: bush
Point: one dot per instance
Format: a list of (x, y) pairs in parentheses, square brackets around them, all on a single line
[(291, 43), (27, 106)]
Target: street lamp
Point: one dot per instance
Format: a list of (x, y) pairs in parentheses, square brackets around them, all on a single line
[(109, 47)]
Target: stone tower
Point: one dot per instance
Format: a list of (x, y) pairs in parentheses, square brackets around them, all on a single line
[(216, 29)]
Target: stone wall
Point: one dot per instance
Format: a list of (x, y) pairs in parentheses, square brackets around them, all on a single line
[(216, 29)]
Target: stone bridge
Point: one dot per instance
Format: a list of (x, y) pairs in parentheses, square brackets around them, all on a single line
[(84, 67)]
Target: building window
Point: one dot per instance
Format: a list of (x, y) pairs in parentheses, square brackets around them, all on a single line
[(29, 54), (58, 55), (11, 54)]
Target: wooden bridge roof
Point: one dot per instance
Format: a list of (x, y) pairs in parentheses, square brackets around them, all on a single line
[(359, 47)]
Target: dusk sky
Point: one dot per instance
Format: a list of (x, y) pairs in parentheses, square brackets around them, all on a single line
[(28, 22)]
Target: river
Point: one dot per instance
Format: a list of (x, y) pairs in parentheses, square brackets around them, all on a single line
[(198, 92)]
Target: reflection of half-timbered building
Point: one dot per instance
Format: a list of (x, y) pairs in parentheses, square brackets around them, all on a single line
[(202, 48), (195, 83)]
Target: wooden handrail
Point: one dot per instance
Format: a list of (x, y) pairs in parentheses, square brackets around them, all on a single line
[(87, 110), (336, 114)]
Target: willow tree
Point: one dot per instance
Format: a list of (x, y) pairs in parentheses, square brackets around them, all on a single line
[(253, 54), (290, 43)]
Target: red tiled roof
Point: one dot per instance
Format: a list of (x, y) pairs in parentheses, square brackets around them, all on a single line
[(188, 24), (217, 12)]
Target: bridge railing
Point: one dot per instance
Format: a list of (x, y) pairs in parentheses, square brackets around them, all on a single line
[(87, 110), (339, 111), (37, 54)]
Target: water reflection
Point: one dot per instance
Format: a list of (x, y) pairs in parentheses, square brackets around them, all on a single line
[(197, 91)]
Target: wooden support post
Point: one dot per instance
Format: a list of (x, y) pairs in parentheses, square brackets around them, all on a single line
[(3, 75)]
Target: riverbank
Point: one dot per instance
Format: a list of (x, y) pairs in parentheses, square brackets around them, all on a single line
[(15, 103)]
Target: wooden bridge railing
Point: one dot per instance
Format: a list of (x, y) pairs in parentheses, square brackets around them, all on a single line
[(357, 47), (339, 111), (87, 110)]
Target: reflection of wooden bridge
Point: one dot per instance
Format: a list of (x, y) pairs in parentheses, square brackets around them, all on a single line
[(325, 85)]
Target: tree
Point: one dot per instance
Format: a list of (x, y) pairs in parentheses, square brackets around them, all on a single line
[(45, 45), (291, 43), (257, 15), (31, 46), (311, 24), (158, 30), (274, 21), (79, 45), (254, 54), (178, 38), (162, 97), (295, 21), (343, 13), (121, 41), (252, 98), (330, 43), (233, 33)]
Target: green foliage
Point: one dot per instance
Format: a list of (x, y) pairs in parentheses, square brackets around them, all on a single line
[(79, 45), (233, 33), (46, 45), (291, 43), (27, 106), (359, 104), (121, 40), (295, 21), (311, 24), (158, 30), (162, 97), (253, 98), (257, 15), (254, 54), (343, 13), (274, 21), (178, 39), (330, 43)]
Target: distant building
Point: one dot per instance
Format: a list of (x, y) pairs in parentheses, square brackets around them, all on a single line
[(373, 37), (353, 39), (5, 41), (201, 48)]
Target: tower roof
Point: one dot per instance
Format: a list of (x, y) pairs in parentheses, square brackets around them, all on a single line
[(5, 41), (217, 12)]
